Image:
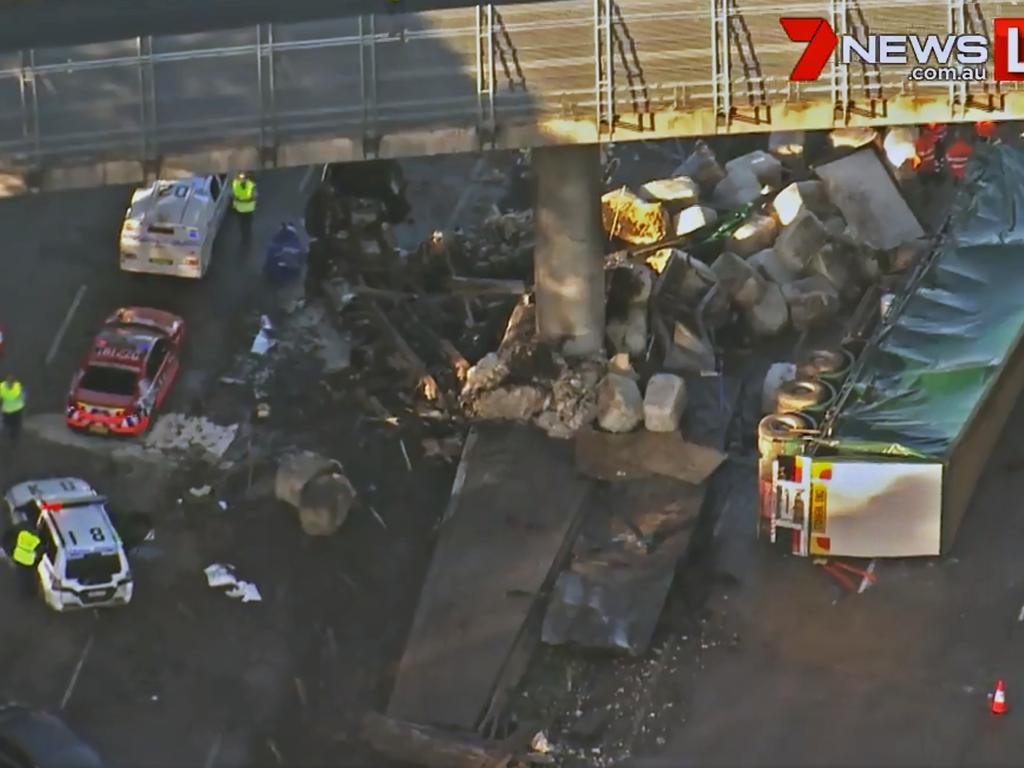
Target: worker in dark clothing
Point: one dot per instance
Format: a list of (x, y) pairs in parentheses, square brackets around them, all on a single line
[(23, 545)]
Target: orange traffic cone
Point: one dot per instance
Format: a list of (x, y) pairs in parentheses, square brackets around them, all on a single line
[(999, 699)]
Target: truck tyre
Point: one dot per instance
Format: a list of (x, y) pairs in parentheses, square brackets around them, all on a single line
[(825, 364), (779, 434), (804, 395)]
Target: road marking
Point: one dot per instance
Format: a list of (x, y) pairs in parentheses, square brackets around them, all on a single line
[(52, 353), (78, 670), (307, 177)]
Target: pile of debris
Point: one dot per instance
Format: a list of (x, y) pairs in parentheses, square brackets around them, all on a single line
[(757, 245)]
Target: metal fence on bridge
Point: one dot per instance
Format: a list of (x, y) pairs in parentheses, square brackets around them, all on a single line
[(577, 70)]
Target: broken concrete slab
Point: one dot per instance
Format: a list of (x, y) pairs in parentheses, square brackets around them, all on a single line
[(509, 531), (739, 279), (515, 403), (771, 267), (755, 234), (811, 301), (191, 434), (620, 407), (694, 218), (633, 220), (876, 212), (631, 543), (295, 470), (324, 504), (770, 316), (664, 402), (675, 194), (801, 239), (641, 454), (739, 187), (798, 196), (702, 166), (764, 166), (489, 372), (620, 365)]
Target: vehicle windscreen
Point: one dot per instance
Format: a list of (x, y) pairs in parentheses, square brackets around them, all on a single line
[(109, 379), (93, 569)]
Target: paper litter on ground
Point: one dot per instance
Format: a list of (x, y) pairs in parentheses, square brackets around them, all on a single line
[(221, 575)]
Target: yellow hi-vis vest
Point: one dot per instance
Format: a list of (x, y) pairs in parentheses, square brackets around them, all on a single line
[(12, 397), (243, 195), (25, 548)]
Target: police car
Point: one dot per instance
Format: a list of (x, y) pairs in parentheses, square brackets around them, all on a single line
[(170, 227), (83, 561)]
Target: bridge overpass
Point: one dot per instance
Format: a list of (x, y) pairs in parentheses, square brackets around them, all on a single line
[(458, 79)]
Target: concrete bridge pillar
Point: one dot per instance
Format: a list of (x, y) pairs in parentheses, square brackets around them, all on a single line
[(569, 252)]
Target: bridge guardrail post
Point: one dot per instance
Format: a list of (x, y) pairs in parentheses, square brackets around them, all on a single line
[(485, 74), (30, 105), (368, 84)]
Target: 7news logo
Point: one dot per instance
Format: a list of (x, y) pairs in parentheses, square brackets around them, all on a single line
[(962, 57)]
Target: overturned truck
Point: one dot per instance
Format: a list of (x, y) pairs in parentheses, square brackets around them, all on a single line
[(889, 468)]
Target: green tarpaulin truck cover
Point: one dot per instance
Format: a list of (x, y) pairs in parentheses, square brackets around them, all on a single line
[(920, 385)]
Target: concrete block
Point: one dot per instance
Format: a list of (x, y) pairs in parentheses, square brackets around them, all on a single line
[(739, 187), (621, 366), (770, 316), (692, 279), (693, 218), (633, 220), (740, 280), (687, 351), (702, 166), (811, 301), (798, 196), (620, 407), (777, 375), (664, 402), (675, 193), (770, 266), (765, 167), (755, 234), (832, 264), (799, 241)]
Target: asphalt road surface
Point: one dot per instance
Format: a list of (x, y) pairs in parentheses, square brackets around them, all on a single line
[(184, 675)]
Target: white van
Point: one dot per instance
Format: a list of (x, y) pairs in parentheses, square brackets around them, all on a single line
[(170, 227)]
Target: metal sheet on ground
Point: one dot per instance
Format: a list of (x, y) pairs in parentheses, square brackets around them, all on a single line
[(516, 507), (866, 194)]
